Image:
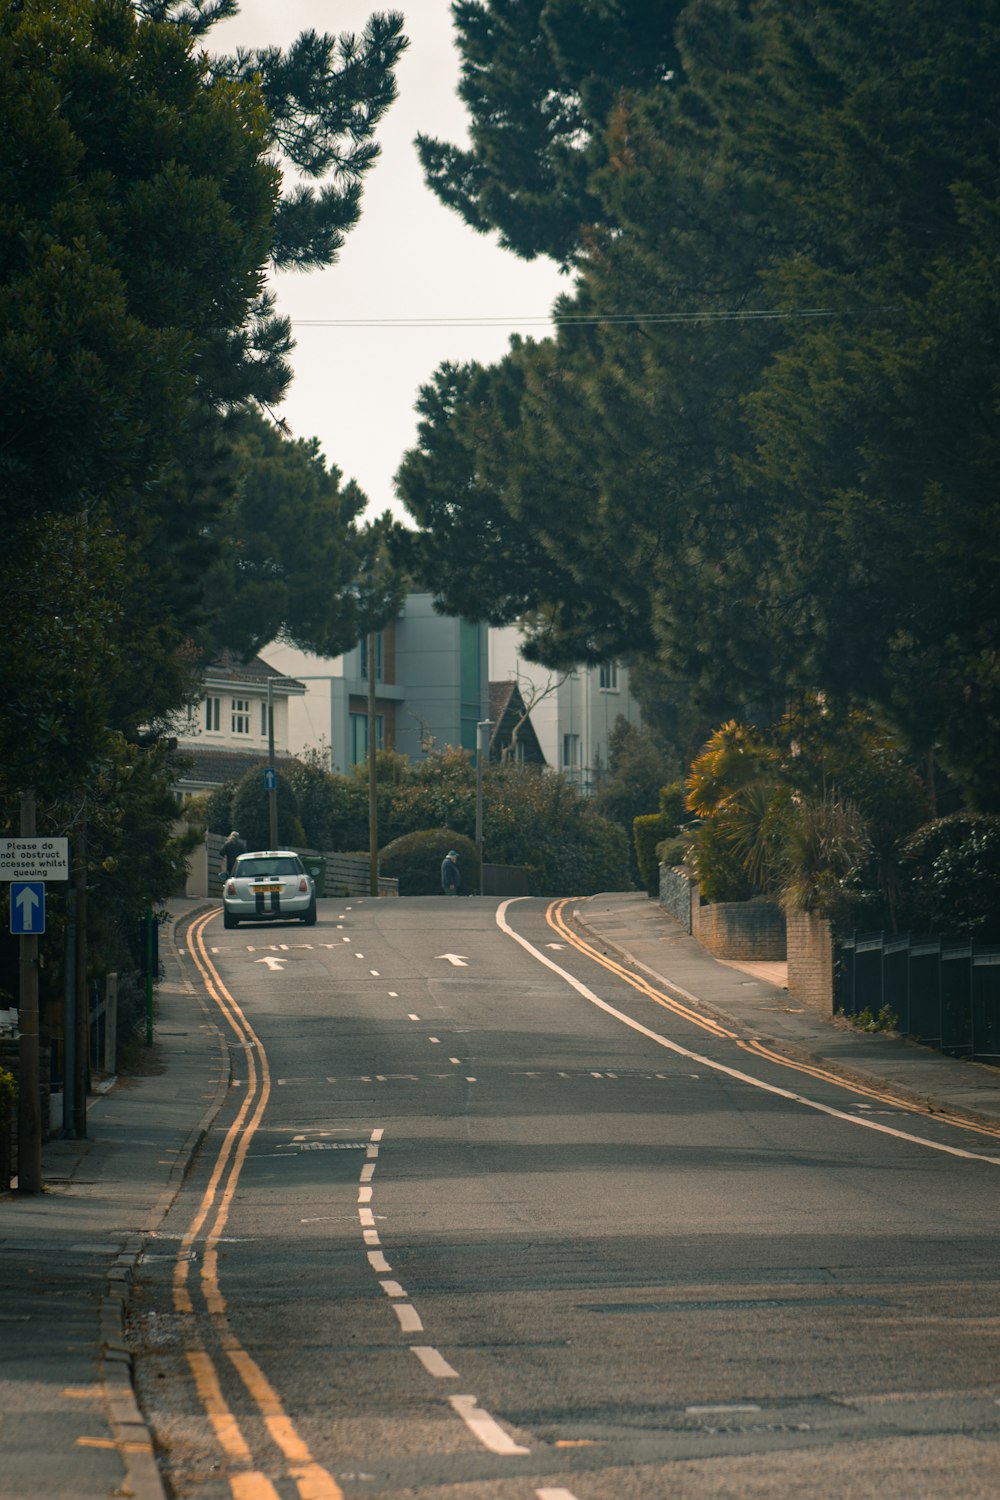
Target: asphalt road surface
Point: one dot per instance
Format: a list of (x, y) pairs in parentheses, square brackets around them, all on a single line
[(482, 1220)]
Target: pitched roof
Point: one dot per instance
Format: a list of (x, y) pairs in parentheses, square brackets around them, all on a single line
[(205, 768), (253, 669), (509, 712)]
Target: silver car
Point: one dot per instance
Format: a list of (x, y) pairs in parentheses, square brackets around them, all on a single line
[(270, 885)]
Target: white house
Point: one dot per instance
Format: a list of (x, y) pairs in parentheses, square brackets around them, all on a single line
[(573, 712), (225, 733)]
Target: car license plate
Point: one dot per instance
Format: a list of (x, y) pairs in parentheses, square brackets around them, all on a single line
[(264, 889)]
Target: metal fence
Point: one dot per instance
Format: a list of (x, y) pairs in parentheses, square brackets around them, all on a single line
[(944, 992)]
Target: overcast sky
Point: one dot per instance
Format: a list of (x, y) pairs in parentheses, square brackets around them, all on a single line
[(409, 257)]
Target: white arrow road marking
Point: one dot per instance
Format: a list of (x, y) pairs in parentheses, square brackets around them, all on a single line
[(558, 946), (483, 1426), (272, 962), (456, 959)]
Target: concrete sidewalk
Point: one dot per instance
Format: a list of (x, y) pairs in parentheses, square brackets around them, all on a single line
[(639, 931), (70, 1428)]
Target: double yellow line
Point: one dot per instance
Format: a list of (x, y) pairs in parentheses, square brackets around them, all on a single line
[(246, 1482), (555, 917)]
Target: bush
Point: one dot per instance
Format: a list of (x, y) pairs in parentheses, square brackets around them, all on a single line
[(950, 873), (218, 809), (648, 831), (718, 865), (415, 861), (674, 851), (251, 813), (673, 805)]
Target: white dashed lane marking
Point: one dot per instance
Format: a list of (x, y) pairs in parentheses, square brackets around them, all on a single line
[(434, 1363), (483, 1426)]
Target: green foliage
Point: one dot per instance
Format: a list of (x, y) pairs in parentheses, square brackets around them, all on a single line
[(532, 818), (649, 831), (636, 771), (8, 1097), (768, 404), (673, 804), (538, 78), (540, 821), (251, 812), (140, 206), (813, 809), (674, 851), (867, 1020), (719, 869), (951, 877), (219, 809), (415, 858), (290, 551)]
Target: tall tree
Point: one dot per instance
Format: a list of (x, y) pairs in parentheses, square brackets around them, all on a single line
[(292, 553), (764, 435), (539, 78)]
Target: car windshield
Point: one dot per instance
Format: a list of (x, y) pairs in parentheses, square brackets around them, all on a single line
[(258, 865)]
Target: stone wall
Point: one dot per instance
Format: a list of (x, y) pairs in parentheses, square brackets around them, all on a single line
[(810, 961), (678, 892), (752, 931)]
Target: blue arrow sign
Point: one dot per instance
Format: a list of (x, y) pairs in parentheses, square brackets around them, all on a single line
[(270, 778), (27, 907)]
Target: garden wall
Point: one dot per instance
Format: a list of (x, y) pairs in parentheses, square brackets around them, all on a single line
[(752, 931), (810, 960)]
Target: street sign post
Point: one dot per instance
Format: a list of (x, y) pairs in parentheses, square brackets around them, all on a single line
[(27, 907), (34, 859)]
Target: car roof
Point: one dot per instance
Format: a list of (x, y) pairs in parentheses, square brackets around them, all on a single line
[(267, 853)]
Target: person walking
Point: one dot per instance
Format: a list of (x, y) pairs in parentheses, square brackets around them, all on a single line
[(450, 877), (231, 850)]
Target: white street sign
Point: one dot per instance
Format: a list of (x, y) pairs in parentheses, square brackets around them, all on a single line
[(34, 859)]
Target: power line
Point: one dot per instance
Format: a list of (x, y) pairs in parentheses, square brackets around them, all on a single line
[(535, 320)]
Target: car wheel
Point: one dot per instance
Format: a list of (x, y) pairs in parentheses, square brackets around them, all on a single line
[(229, 921), (309, 920)]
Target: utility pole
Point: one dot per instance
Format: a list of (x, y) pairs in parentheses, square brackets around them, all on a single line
[(82, 1059), (29, 1104), (372, 771), (482, 748), (272, 780)]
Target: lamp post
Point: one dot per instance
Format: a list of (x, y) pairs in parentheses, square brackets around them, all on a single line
[(272, 780), (482, 747), (372, 772)]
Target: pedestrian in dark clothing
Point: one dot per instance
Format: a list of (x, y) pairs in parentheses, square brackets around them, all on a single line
[(233, 847), (450, 877)]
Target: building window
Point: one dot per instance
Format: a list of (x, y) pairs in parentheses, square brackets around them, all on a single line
[(263, 718), (609, 677), (363, 652), (571, 752), (212, 714), (241, 716), (359, 736)]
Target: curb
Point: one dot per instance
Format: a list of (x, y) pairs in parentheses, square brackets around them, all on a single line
[(924, 1103), (116, 1369)]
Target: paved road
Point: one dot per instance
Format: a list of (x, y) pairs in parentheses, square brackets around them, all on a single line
[(481, 1219)]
